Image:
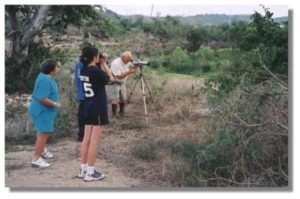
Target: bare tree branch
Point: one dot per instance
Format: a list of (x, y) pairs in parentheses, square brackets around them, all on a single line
[(269, 174), (37, 23), (229, 181), (263, 124), (280, 167), (272, 74), (21, 45)]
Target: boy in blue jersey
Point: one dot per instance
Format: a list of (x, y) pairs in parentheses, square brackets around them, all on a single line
[(80, 99)]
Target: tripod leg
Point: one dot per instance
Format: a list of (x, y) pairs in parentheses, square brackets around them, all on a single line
[(148, 89), (145, 105), (143, 78), (130, 94)]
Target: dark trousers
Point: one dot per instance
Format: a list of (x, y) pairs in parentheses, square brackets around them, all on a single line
[(80, 115)]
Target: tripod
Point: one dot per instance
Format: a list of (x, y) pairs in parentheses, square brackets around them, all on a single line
[(143, 84)]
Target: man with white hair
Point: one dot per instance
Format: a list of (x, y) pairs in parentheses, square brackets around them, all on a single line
[(121, 67)]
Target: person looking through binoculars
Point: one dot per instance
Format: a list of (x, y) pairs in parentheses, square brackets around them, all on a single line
[(121, 67), (93, 77)]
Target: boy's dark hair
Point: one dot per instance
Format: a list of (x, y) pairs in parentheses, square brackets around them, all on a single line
[(48, 66)]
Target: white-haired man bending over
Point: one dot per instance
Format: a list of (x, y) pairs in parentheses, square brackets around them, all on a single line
[(121, 68)]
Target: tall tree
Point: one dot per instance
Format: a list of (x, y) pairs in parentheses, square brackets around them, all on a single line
[(24, 22), (21, 40)]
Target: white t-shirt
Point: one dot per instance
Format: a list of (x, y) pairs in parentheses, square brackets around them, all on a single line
[(118, 67)]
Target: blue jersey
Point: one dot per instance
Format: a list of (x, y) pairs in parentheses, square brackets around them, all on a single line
[(79, 89)]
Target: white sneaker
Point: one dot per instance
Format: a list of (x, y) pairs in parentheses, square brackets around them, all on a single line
[(82, 173), (40, 163), (93, 177), (46, 154)]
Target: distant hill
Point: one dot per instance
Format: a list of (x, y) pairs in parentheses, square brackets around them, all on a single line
[(281, 19), (218, 19), (206, 19), (215, 19)]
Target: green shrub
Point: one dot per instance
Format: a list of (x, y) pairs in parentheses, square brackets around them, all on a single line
[(145, 151), (206, 68), (24, 75), (219, 153), (180, 61)]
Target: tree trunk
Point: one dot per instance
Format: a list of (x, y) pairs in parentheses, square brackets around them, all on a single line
[(22, 41)]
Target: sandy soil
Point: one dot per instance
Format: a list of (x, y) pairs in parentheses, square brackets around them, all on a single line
[(63, 170)]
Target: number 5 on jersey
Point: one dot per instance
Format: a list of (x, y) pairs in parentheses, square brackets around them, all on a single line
[(88, 91)]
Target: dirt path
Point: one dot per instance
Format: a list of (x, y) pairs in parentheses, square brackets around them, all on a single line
[(64, 167)]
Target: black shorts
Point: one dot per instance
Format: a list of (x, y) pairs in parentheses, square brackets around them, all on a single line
[(92, 115), (96, 119)]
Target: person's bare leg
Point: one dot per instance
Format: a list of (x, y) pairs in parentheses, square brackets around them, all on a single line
[(40, 143), (85, 144), (94, 145)]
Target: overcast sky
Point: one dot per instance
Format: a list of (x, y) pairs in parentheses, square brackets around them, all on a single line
[(187, 10)]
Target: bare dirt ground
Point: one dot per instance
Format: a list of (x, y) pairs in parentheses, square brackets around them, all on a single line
[(180, 117), (63, 170)]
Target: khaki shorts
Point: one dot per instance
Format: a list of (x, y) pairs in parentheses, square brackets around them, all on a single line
[(118, 92)]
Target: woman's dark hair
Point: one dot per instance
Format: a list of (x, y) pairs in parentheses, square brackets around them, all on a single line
[(88, 54), (48, 66)]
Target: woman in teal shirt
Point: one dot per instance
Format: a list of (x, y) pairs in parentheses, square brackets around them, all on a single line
[(44, 107)]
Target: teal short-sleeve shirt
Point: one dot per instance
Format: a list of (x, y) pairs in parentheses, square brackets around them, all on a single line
[(43, 116)]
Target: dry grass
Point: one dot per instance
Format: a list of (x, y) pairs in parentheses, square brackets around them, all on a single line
[(149, 152)]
